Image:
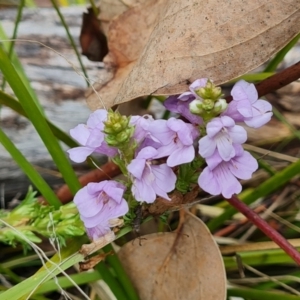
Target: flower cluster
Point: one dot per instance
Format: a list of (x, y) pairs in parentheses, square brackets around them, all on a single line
[(152, 152)]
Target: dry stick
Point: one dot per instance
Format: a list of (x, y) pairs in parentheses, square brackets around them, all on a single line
[(265, 228)]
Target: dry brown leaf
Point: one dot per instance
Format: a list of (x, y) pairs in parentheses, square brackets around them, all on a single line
[(111, 8), (168, 266), (160, 46)]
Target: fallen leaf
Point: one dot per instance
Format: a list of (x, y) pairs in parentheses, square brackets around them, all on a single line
[(184, 265), (93, 42), (160, 46)]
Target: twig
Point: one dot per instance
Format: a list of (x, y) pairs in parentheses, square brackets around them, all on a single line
[(265, 228)]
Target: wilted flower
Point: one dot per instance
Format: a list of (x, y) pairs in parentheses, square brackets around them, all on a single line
[(222, 134), (150, 180), (91, 137), (246, 107), (220, 177), (98, 204)]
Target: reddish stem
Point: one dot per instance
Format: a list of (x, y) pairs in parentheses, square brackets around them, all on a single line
[(265, 228)]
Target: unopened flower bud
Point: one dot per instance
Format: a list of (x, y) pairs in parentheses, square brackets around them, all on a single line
[(117, 129), (208, 104), (196, 107), (210, 91), (220, 106)]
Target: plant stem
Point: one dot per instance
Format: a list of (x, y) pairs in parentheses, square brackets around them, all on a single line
[(265, 228)]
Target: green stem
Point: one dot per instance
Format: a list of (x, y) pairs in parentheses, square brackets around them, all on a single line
[(56, 7), (14, 36)]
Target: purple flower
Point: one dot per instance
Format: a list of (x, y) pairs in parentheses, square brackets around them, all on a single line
[(182, 107), (220, 177), (246, 107), (141, 124), (181, 104), (177, 138), (222, 133), (98, 204), (197, 84), (150, 180), (91, 137)]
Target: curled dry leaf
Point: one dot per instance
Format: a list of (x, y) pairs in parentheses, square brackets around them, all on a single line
[(181, 265), (160, 46)]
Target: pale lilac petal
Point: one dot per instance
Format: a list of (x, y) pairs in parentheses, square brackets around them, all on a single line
[(143, 192), (214, 160), (238, 134), (186, 96), (161, 131), (80, 133), (96, 119), (165, 180), (214, 126), (259, 121), (136, 167), (95, 187), (243, 90), (115, 191), (166, 150), (181, 156), (230, 187), (207, 146), (244, 108), (147, 153), (232, 112), (262, 113), (198, 83), (209, 183), (225, 148), (226, 121), (95, 139), (79, 154), (105, 149), (243, 166)]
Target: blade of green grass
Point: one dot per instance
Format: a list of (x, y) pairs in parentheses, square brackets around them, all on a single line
[(28, 169), (39, 122), (283, 120), (273, 64), (72, 42), (253, 294), (64, 282), (12, 103), (67, 257), (121, 275)]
